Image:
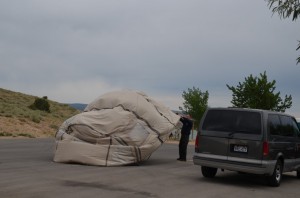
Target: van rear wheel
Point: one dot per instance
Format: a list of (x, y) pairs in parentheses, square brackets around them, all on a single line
[(209, 171), (275, 178)]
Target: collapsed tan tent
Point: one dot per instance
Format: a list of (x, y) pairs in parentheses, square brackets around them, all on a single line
[(118, 128)]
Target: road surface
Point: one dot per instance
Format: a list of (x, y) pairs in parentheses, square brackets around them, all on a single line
[(27, 171)]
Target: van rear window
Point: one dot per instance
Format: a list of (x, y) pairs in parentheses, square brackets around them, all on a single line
[(233, 121)]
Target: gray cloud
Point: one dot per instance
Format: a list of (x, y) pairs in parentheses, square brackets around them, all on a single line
[(73, 50)]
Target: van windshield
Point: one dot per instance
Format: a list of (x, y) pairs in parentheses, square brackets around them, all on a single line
[(233, 121)]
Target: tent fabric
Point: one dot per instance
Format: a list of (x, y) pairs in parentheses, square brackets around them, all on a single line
[(118, 128)]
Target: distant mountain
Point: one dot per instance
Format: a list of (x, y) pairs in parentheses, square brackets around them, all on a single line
[(78, 106)]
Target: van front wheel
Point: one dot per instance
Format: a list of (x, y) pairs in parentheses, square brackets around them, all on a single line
[(208, 171), (275, 178)]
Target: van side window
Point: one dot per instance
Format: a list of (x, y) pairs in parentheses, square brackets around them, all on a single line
[(287, 126), (274, 124), (245, 122)]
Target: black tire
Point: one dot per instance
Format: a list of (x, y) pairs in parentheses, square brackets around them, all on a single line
[(208, 171), (298, 174), (275, 179)]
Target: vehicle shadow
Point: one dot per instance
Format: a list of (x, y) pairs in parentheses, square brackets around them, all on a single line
[(246, 180)]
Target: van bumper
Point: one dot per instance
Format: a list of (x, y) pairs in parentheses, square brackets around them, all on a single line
[(261, 167)]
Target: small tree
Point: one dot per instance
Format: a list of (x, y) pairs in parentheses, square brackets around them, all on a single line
[(258, 93), (41, 104), (195, 103)]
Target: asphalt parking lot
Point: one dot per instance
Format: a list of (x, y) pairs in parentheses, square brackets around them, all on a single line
[(27, 170)]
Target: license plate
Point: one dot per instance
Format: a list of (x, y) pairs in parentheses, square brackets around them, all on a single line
[(240, 149)]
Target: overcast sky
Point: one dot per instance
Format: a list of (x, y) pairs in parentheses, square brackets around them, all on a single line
[(76, 50)]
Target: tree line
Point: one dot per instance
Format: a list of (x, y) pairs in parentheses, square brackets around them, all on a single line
[(253, 92)]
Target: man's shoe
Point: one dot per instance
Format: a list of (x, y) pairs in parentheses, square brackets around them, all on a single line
[(183, 160)]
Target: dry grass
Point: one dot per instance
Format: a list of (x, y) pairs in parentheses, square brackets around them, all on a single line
[(16, 119)]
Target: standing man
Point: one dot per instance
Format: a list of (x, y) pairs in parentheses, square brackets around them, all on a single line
[(185, 134)]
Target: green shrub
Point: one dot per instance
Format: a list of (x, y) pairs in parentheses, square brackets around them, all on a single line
[(41, 104), (53, 126), (5, 134), (35, 118), (25, 135)]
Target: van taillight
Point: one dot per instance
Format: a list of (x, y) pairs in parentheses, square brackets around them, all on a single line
[(265, 148), (197, 142)]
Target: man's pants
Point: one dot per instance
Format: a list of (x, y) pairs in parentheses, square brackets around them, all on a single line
[(184, 140)]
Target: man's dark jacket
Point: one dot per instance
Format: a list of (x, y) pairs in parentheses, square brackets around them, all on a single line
[(187, 126)]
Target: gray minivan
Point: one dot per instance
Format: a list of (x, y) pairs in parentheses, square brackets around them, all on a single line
[(249, 141)]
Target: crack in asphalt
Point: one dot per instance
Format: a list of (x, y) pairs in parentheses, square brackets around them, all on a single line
[(106, 187)]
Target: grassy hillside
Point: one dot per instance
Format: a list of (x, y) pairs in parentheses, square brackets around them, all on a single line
[(17, 119)]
